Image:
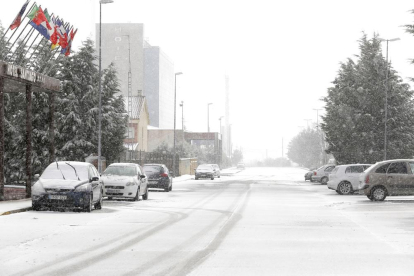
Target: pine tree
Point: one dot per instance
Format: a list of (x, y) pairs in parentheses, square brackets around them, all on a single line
[(76, 106), (354, 120)]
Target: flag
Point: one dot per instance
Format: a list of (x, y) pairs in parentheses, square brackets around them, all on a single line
[(18, 20), (71, 37), (41, 23), (54, 34), (33, 12)]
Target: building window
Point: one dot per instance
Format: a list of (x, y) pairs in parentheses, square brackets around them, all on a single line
[(130, 133)]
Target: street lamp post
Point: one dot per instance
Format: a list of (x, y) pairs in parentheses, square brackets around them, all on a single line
[(182, 117), (175, 105), (208, 116), (100, 85), (220, 122), (386, 99)]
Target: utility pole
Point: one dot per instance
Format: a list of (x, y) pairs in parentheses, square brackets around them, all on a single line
[(317, 118)]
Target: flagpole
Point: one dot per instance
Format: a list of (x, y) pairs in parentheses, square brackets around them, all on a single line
[(23, 44), (11, 47), (24, 17)]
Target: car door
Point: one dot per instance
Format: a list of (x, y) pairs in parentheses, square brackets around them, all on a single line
[(410, 180), (354, 175), (398, 178)]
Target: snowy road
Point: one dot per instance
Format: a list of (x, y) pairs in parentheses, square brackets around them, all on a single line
[(261, 221)]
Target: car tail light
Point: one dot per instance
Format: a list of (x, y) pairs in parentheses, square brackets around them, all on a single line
[(164, 175), (367, 179), (314, 173)]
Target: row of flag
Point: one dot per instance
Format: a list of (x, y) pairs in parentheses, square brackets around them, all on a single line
[(50, 27)]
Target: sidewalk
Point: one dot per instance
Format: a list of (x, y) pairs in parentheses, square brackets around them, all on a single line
[(15, 206)]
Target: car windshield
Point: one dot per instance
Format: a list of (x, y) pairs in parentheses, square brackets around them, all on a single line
[(205, 167), (151, 170), (64, 171), (121, 170)]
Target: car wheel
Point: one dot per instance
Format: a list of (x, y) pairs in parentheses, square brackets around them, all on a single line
[(324, 180), (345, 188), (35, 207), (311, 180), (145, 196), (212, 178), (378, 193), (196, 178), (167, 189), (136, 198), (98, 205), (88, 208), (170, 188)]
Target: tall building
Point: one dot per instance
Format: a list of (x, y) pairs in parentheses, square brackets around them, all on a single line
[(159, 86), (123, 44), (151, 71)]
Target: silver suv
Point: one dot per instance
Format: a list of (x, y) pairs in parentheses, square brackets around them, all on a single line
[(388, 178), (322, 174)]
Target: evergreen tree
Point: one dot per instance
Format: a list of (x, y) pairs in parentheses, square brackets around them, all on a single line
[(114, 119), (306, 148), (354, 120)]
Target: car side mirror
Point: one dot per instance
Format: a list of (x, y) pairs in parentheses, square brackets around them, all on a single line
[(94, 178), (36, 177), (142, 175)]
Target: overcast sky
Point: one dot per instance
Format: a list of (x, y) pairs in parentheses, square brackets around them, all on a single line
[(281, 56)]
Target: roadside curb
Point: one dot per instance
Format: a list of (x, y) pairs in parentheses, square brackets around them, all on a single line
[(16, 211)]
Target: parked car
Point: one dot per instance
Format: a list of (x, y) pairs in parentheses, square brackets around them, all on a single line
[(159, 177), (204, 171), (388, 178), (344, 179), (308, 175), (68, 184), (125, 180), (322, 174), (240, 165), (216, 170)]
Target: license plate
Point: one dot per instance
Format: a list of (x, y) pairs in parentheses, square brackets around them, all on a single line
[(153, 182), (113, 191), (59, 197)]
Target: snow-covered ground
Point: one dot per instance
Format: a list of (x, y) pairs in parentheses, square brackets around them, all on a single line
[(258, 221)]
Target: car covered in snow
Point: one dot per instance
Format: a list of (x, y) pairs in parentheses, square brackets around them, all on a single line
[(125, 180), (322, 174), (344, 179), (68, 184)]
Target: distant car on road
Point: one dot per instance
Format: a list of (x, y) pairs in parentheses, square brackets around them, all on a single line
[(344, 179), (388, 178), (322, 174), (159, 176), (216, 170), (125, 180), (68, 184), (205, 171), (240, 165)]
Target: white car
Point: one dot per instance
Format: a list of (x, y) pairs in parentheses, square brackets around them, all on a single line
[(126, 180), (344, 179), (321, 175)]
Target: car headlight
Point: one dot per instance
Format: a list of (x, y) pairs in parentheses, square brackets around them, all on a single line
[(82, 188), (37, 189), (130, 184)]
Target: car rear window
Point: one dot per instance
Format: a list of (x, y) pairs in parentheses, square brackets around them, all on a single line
[(121, 170), (382, 169), (151, 170)]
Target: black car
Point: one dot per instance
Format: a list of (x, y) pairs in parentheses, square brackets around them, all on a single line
[(158, 176), (68, 184)]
